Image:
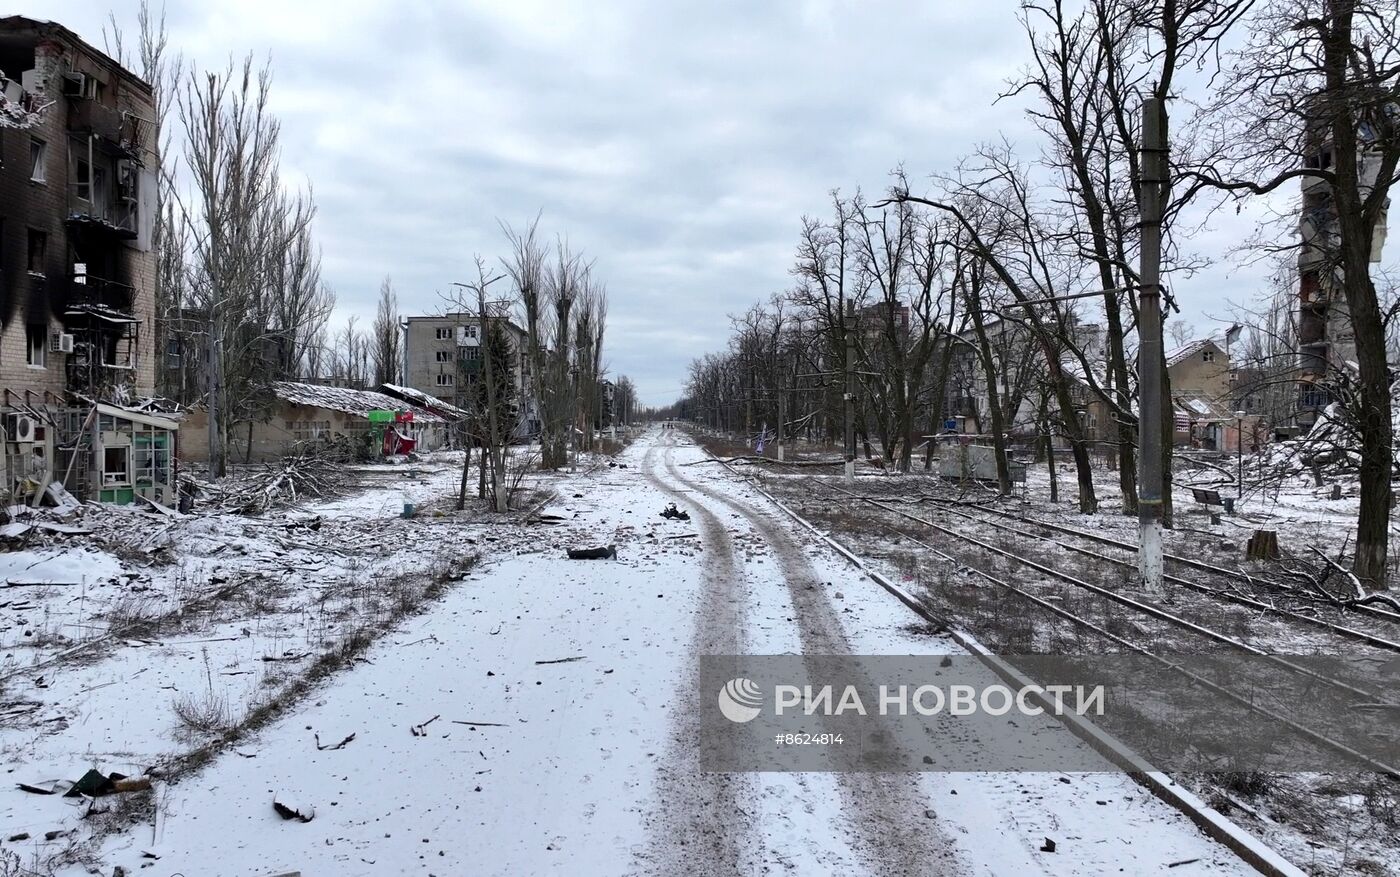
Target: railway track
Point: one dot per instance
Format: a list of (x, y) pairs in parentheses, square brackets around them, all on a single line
[(1212, 569), (1198, 587), (1342, 688)]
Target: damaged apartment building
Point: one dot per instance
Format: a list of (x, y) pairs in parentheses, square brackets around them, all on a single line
[(1326, 340), (78, 165)]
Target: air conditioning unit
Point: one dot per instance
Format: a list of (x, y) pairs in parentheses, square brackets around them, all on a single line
[(79, 85), (65, 343), (20, 428)]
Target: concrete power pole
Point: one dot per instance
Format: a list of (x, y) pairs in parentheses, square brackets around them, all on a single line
[(782, 413), (850, 390), (1154, 189), (496, 440), (215, 366)]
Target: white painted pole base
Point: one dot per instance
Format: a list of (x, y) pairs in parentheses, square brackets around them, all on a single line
[(1150, 556), (851, 469), (780, 452)]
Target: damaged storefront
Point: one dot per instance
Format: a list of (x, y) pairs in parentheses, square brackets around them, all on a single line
[(102, 452)]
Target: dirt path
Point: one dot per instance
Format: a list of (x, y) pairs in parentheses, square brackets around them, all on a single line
[(887, 810), (698, 824)]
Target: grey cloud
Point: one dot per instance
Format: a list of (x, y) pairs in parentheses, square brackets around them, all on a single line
[(677, 143)]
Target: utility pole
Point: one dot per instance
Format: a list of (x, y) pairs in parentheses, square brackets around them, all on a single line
[(850, 390), (573, 418), (215, 408), (782, 412), (497, 451), (1154, 188)]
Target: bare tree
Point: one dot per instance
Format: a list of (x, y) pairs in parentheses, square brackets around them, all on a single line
[(387, 336), (238, 225), (1313, 96), (495, 353)]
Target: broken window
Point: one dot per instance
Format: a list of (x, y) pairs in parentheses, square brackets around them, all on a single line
[(99, 187), (116, 464), (1208, 356), (444, 356), (444, 334), (38, 151), (444, 380), (84, 178), (36, 337), (38, 243)]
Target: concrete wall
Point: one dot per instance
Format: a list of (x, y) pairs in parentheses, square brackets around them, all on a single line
[(273, 440)]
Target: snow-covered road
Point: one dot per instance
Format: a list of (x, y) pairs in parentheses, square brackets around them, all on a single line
[(557, 700)]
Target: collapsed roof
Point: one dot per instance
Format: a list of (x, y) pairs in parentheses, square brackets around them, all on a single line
[(356, 402)]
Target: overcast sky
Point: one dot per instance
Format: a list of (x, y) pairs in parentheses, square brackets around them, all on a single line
[(678, 143)]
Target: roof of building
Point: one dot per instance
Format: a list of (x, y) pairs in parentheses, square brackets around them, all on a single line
[(423, 400), (356, 402), (1201, 410), (136, 416), (1180, 354), (462, 319), (52, 29)]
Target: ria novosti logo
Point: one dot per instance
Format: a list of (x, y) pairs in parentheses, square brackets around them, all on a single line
[(740, 700)]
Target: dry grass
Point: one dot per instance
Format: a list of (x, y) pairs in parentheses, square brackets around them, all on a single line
[(203, 712)]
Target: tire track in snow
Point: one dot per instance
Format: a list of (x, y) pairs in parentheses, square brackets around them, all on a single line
[(697, 825), (885, 809)]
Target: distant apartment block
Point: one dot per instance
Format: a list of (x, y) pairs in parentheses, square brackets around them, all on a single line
[(442, 356)]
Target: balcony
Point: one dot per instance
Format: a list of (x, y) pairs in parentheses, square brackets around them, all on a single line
[(86, 291), (118, 219)]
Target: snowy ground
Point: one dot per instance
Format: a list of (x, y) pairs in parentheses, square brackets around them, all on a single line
[(555, 703)]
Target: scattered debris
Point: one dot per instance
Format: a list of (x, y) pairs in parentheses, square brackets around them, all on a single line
[(93, 784), (674, 513), (593, 553), (563, 660), (1182, 862), (1048, 846), (422, 730), (482, 724), (332, 747), (288, 808)]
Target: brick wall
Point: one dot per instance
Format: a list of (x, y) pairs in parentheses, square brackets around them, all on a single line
[(39, 299)]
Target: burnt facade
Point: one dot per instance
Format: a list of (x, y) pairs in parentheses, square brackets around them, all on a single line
[(1326, 339), (78, 165), (77, 175)]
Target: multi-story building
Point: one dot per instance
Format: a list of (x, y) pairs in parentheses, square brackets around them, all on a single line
[(78, 165), (442, 357), (1326, 340), (76, 264)]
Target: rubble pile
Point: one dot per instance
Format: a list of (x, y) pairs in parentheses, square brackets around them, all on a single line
[(1331, 450), (315, 474)]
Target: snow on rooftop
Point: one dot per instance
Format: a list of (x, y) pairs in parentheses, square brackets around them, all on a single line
[(356, 402), (422, 399), (1180, 354)]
